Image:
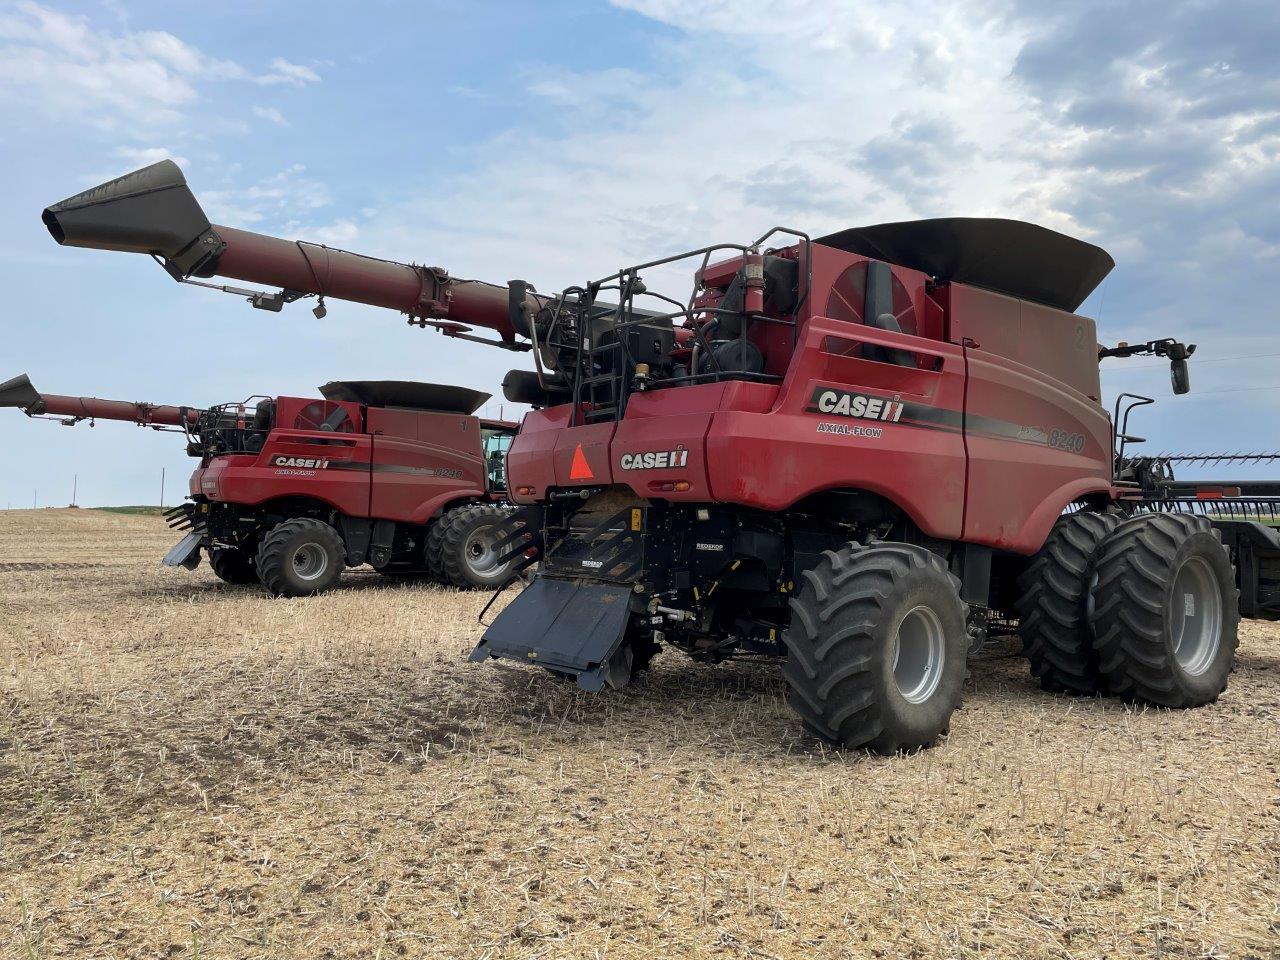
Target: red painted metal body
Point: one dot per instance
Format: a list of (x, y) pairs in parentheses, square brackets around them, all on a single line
[(1002, 426), (393, 464), (310, 268), (92, 408)]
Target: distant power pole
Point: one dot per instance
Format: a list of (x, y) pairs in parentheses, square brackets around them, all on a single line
[(75, 484), (162, 487), (35, 498)]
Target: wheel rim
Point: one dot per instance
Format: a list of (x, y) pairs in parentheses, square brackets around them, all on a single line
[(1195, 616), (310, 561), (481, 553), (918, 654)]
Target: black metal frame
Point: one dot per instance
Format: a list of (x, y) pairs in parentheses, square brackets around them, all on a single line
[(218, 430), (579, 303)]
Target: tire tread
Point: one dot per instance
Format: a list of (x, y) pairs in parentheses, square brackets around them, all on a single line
[(271, 560), (1128, 621), (829, 670), (1052, 596)]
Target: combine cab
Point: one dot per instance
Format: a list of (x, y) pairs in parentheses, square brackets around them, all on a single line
[(856, 455)]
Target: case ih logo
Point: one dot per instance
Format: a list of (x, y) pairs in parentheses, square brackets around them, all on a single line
[(842, 403), (305, 463), (655, 460)]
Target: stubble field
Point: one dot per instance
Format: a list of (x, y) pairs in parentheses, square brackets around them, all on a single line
[(189, 769)]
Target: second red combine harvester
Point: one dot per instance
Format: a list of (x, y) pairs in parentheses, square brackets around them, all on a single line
[(855, 454), (292, 490)]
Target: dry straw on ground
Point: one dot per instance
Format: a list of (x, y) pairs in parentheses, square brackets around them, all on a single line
[(193, 770)]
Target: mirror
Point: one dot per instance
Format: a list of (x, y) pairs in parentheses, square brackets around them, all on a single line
[(1180, 375)]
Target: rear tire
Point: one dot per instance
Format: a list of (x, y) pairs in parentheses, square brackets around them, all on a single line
[(877, 646), (1052, 605), (1166, 611), (233, 566), (433, 549), (467, 556), (300, 558)]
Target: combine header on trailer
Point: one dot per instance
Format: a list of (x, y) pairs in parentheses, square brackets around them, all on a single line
[(291, 490), (854, 454)]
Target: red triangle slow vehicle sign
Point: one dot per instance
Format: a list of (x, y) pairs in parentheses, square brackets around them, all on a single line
[(580, 469)]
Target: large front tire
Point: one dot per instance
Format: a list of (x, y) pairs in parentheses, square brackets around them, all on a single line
[(1052, 605), (233, 566), (300, 558), (1166, 611), (876, 647)]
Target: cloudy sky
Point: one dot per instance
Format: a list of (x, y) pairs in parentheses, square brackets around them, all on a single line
[(557, 141)]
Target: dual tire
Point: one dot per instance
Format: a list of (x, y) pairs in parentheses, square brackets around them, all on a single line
[(1144, 608)]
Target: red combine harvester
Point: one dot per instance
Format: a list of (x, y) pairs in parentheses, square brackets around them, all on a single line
[(290, 490), (855, 454)]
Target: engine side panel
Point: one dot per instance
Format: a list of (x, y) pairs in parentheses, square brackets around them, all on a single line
[(293, 463), (1035, 445), (421, 461), (844, 422)]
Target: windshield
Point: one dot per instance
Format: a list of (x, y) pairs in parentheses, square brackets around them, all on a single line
[(496, 443)]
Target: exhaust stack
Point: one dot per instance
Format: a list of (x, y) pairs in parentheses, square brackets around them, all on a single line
[(153, 211)]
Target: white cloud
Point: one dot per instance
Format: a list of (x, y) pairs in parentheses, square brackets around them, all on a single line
[(142, 156), (66, 67), (737, 129), (271, 115), (339, 233), (132, 158), (290, 74), (282, 198)]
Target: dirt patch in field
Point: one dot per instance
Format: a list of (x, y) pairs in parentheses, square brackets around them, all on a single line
[(193, 770)]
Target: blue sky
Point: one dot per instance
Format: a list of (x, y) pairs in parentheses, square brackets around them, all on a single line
[(558, 141)]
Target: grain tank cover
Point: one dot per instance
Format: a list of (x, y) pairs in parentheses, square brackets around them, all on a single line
[(1008, 256), (409, 394)]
